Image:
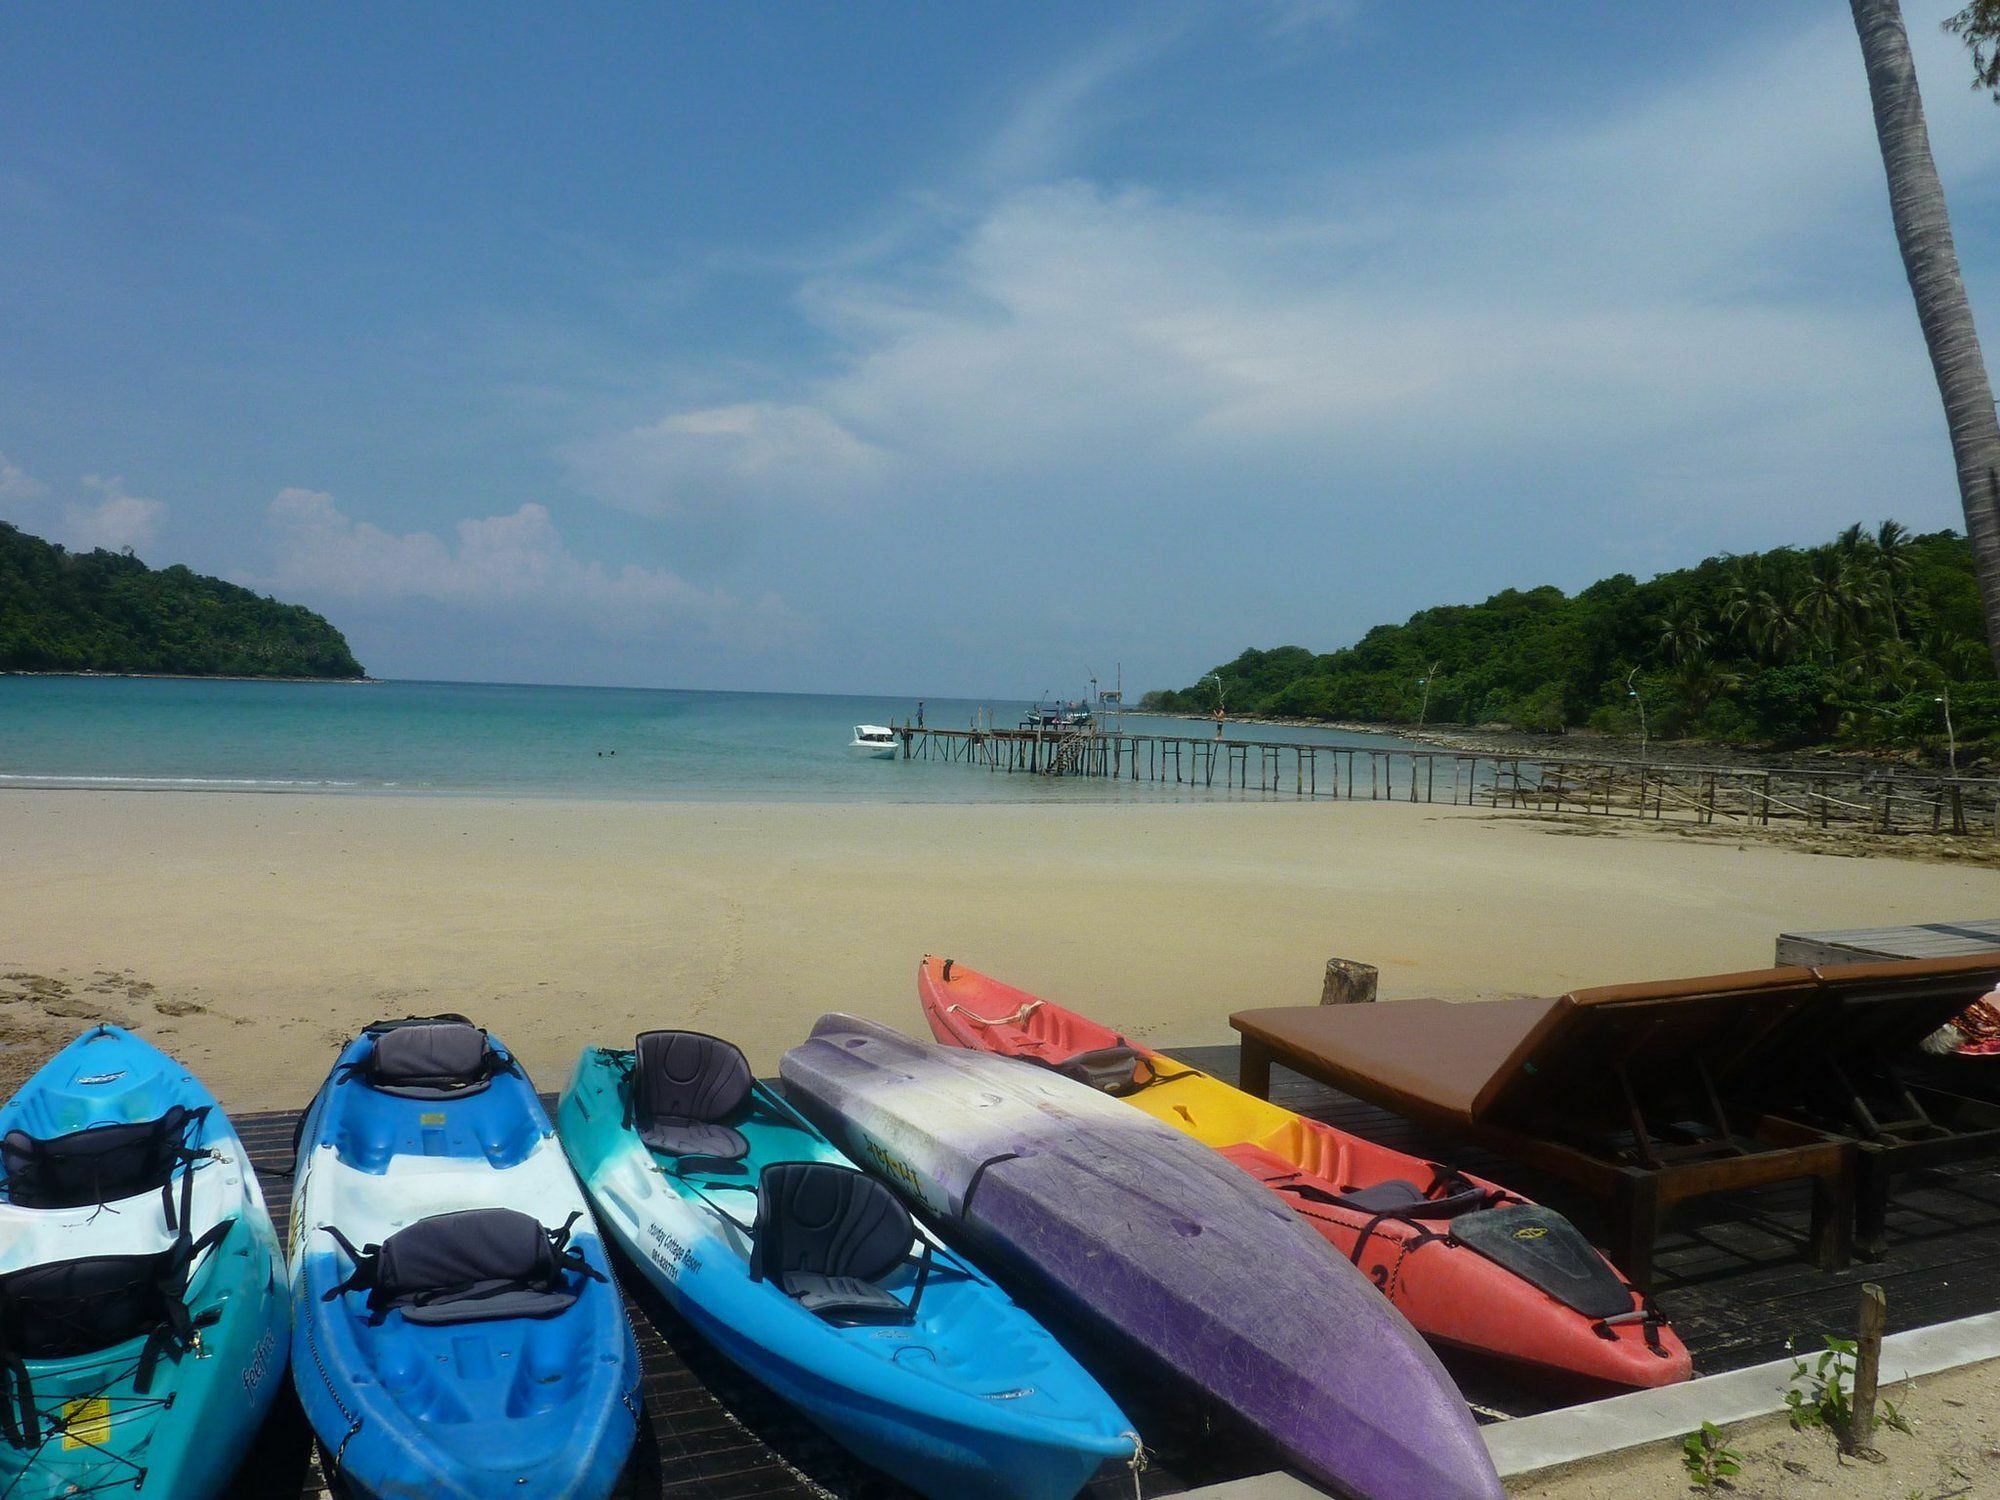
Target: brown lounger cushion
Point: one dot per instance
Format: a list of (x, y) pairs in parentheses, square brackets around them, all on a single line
[(1418, 1057), (1509, 1058)]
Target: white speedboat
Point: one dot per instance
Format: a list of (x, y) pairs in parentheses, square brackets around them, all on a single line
[(875, 741)]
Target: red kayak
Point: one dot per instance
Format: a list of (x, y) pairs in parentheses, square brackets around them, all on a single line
[(1471, 1265)]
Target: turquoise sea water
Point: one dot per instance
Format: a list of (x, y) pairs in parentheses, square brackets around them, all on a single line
[(447, 737)]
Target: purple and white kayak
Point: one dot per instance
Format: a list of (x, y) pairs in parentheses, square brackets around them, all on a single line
[(1158, 1241)]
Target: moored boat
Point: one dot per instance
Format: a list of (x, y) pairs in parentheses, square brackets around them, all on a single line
[(811, 1276), (458, 1333), (1472, 1265), (1153, 1241), (143, 1317), (874, 742)]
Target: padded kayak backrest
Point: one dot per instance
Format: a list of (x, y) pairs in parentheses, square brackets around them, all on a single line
[(1109, 1070), (71, 1307), (687, 1075), (827, 1220), (438, 1059), (100, 1164), (1397, 1198), (472, 1266)]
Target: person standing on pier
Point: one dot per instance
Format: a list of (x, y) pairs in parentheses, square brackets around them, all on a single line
[(920, 713)]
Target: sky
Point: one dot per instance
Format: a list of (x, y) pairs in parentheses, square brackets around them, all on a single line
[(955, 349)]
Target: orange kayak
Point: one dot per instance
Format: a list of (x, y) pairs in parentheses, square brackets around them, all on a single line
[(1470, 1264)]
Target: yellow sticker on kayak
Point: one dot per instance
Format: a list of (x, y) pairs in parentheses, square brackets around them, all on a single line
[(86, 1423), (430, 1120)]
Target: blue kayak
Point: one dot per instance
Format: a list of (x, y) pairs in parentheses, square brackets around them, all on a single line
[(143, 1316), (813, 1277), (457, 1333)]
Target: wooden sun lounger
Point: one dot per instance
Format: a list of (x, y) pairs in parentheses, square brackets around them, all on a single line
[(1613, 1089), (1849, 1065)]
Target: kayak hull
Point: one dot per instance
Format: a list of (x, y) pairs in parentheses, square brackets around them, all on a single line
[(974, 1401), (1452, 1294), (121, 1432), (471, 1411), (1155, 1242)]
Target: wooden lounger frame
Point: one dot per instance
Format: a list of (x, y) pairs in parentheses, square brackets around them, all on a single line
[(1648, 1096), (1748, 1151), (1839, 1069)]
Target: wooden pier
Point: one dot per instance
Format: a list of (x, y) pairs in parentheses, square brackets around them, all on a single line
[(1869, 799)]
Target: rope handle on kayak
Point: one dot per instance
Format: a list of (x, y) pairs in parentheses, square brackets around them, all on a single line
[(1027, 1009), (1651, 1319), (1137, 1462)]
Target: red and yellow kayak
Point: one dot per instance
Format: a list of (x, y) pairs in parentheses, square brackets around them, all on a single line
[(1470, 1264)]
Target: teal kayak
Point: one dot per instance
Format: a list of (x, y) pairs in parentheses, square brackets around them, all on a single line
[(813, 1278), (143, 1310)]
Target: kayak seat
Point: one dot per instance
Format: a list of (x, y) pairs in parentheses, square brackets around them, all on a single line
[(70, 1307), (1401, 1199), (441, 1058), (1109, 1070), (100, 1164), (684, 1085), (472, 1266), (67, 1308), (828, 1235)]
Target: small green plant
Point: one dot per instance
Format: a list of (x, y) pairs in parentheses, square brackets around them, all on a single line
[(1707, 1461), (1893, 1418), (1821, 1394)]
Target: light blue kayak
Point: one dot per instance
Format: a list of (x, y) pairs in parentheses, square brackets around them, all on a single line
[(143, 1318), (812, 1277)]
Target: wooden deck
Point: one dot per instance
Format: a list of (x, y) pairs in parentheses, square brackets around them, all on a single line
[(1730, 1278), (1918, 940)]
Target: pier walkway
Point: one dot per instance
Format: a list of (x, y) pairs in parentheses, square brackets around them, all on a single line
[(1864, 798)]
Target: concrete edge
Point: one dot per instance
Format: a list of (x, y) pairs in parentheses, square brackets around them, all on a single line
[(1530, 1444)]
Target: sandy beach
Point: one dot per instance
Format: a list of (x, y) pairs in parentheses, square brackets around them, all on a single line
[(252, 934)]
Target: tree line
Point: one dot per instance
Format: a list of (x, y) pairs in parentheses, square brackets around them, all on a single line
[(1864, 641), (100, 611)]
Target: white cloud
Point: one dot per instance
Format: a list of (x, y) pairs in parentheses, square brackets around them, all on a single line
[(512, 562), (1689, 308), (118, 519), (717, 458)]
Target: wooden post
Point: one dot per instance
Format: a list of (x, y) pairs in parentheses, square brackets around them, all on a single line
[(1867, 1367), (1348, 982)]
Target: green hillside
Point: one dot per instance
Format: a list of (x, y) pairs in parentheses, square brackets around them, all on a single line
[(103, 611), (1853, 642)]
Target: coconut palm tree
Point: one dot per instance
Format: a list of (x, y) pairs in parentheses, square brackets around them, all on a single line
[(1923, 233), (1894, 557), (1683, 632), (1774, 626), (1830, 603), (1699, 682)]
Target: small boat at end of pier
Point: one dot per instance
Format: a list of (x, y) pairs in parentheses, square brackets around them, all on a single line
[(874, 741)]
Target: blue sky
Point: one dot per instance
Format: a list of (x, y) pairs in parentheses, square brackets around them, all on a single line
[(954, 348)]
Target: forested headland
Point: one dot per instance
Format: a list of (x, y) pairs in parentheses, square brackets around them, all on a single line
[(99, 611), (1863, 641)]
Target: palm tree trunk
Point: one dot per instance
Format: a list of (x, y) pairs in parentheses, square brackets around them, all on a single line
[(1923, 232)]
